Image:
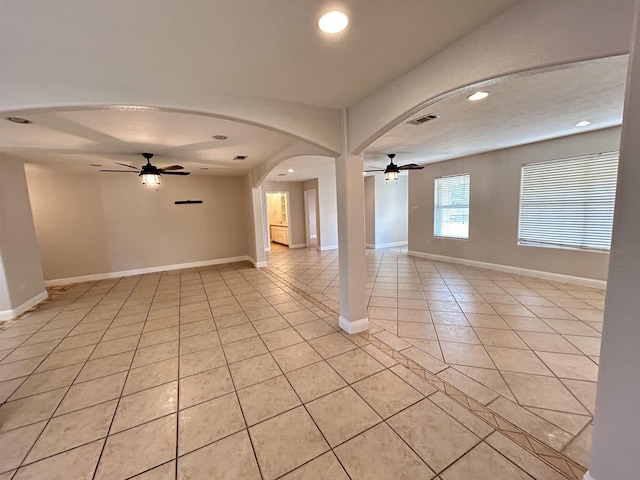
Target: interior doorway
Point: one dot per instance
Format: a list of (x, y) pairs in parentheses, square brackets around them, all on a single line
[(278, 218), (310, 214)]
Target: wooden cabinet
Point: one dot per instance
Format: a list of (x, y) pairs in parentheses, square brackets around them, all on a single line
[(280, 234)]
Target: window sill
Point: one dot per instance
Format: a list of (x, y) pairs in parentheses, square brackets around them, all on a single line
[(561, 247)]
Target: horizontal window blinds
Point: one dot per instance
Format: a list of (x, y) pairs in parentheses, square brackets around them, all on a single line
[(569, 202), (451, 206)]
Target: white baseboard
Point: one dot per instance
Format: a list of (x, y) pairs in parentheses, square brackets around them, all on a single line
[(19, 310), (356, 326), (298, 245), (386, 245), (257, 264), (555, 277), (322, 248), (587, 476), (143, 271)]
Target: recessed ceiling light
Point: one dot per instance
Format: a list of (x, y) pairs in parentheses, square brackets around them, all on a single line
[(582, 123), (23, 121), (291, 170), (333, 22), (220, 137), (478, 96)]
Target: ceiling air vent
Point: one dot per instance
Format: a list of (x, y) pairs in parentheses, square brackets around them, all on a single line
[(240, 157), (423, 119)]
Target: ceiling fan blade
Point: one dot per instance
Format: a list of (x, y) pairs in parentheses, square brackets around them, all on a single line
[(410, 166), (171, 167), (377, 170), (162, 172), (120, 171), (125, 165)]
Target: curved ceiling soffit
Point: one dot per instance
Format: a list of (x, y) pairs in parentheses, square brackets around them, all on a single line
[(467, 89), (314, 143), (298, 149)]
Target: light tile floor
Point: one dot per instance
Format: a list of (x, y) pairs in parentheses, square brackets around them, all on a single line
[(232, 372)]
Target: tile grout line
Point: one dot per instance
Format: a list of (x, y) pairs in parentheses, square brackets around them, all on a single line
[(115, 412), (383, 420), (510, 329), (179, 361), (517, 429), (235, 390), (303, 405), (22, 463), (46, 356), (415, 368), (302, 295)]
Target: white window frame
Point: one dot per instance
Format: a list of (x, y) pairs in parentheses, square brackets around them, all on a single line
[(568, 203), (440, 208)]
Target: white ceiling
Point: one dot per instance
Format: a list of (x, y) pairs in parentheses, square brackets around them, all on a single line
[(272, 49), (305, 167), (264, 48), (76, 139), (518, 110)]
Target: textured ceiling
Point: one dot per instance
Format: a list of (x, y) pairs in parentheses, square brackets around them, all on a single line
[(518, 110), (263, 48), (79, 138), (272, 49), (304, 168)]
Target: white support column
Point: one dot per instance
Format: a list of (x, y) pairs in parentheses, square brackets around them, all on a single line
[(258, 227), (21, 278), (615, 452), (351, 245)]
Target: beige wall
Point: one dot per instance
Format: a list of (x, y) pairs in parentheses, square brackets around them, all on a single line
[(100, 223), (385, 211), (257, 255), (315, 217), (391, 210), (494, 204), (328, 211), (21, 277), (370, 210)]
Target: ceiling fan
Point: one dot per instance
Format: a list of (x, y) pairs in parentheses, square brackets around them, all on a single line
[(392, 170), (150, 174)]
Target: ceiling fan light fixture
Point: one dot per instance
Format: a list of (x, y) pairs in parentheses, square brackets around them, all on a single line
[(150, 179), (333, 22), (391, 171)]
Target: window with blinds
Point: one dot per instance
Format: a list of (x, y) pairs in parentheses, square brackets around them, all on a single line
[(451, 206), (568, 203)]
